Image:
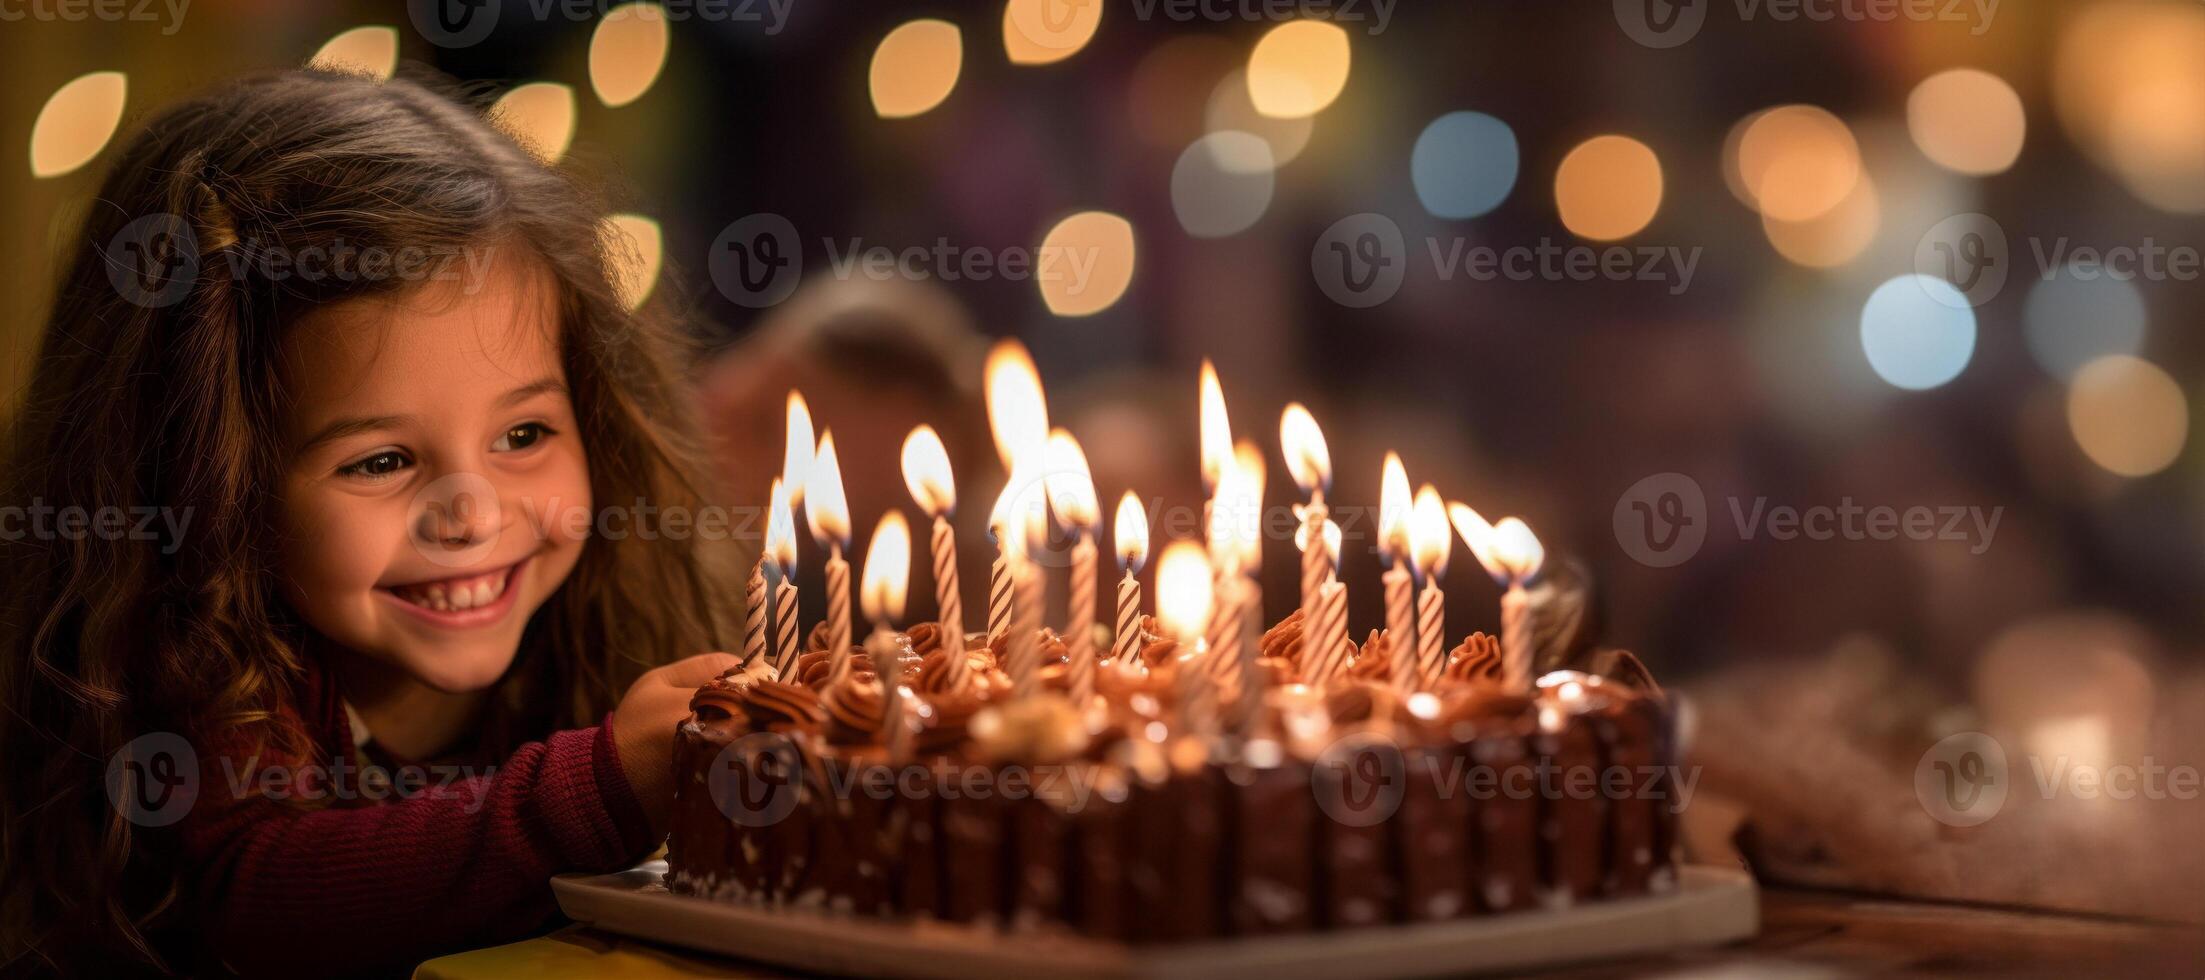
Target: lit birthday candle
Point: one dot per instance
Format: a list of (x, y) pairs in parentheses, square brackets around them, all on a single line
[(1324, 631), (1512, 555), (926, 473), (1309, 461), (1433, 541), (1183, 603), (1018, 418), (1129, 533), (881, 593), (781, 544), (828, 513), (1395, 512), (1072, 498), (1248, 482)]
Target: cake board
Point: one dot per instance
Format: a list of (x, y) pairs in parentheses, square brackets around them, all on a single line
[(1710, 906)]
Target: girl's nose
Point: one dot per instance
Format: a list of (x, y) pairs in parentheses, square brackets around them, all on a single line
[(456, 518)]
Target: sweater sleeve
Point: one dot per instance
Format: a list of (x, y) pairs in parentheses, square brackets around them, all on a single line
[(464, 858)]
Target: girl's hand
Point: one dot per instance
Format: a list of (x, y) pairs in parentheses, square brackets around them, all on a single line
[(643, 726)]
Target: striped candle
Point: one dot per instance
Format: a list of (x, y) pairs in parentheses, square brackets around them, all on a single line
[(1401, 623), (754, 613), (1080, 644), (1227, 612), (1126, 646), (1324, 638), (1316, 553), (838, 614), (784, 628), (1431, 632), (999, 599), (1023, 649), (947, 596)]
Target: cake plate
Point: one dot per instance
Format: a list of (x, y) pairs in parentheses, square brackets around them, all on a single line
[(1710, 906)]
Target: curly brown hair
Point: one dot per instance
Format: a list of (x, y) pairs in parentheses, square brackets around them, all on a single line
[(164, 392)]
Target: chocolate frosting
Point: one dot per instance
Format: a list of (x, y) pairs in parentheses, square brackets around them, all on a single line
[(946, 721), (781, 706), (1284, 641), (1476, 661), (1375, 662), (856, 711)]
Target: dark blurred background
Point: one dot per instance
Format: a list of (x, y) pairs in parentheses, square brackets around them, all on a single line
[(1726, 364)]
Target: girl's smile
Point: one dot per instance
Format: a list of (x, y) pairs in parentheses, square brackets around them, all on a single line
[(461, 601)]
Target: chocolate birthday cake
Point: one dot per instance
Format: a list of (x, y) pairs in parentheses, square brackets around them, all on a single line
[(1135, 817)]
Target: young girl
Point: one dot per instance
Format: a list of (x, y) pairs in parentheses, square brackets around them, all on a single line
[(339, 684)]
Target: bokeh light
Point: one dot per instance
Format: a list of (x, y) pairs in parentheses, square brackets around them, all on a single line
[(1968, 120), (2129, 84), (1222, 184), (1464, 164), (1298, 69), (2127, 415), (76, 123), (1833, 238), (1230, 109), (1609, 187), (1796, 162), (540, 115), (370, 51), (1038, 32), (1918, 331), (1085, 263), (915, 68), (627, 51), (2073, 318), (634, 250)]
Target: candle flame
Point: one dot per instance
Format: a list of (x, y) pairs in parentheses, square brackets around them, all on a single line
[(1130, 532), (1183, 591), (887, 570), (1517, 549), (828, 513), (1020, 518), (1071, 485), (926, 472), (781, 530), (1428, 526), (796, 459), (1479, 536), (1307, 458), (1217, 429), (1395, 506), (1018, 414), (1250, 474)]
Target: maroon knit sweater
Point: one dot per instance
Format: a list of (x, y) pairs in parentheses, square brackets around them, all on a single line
[(379, 885)]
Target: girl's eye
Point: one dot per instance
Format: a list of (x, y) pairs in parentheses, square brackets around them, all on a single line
[(521, 436), (375, 467)]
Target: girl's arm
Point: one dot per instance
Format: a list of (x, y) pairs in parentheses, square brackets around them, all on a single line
[(285, 890)]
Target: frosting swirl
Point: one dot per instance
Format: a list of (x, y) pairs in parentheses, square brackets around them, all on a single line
[(946, 721), (856, 711), (1476, 661), (781, 706), (1284, 641), (1375, 662)]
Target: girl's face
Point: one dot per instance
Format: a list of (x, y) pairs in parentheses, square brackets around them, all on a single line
[(436, 492)]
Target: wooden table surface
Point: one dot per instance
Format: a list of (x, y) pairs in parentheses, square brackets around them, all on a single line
[(1804, 934)]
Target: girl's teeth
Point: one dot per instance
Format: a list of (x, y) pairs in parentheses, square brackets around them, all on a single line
[(452, 597)]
